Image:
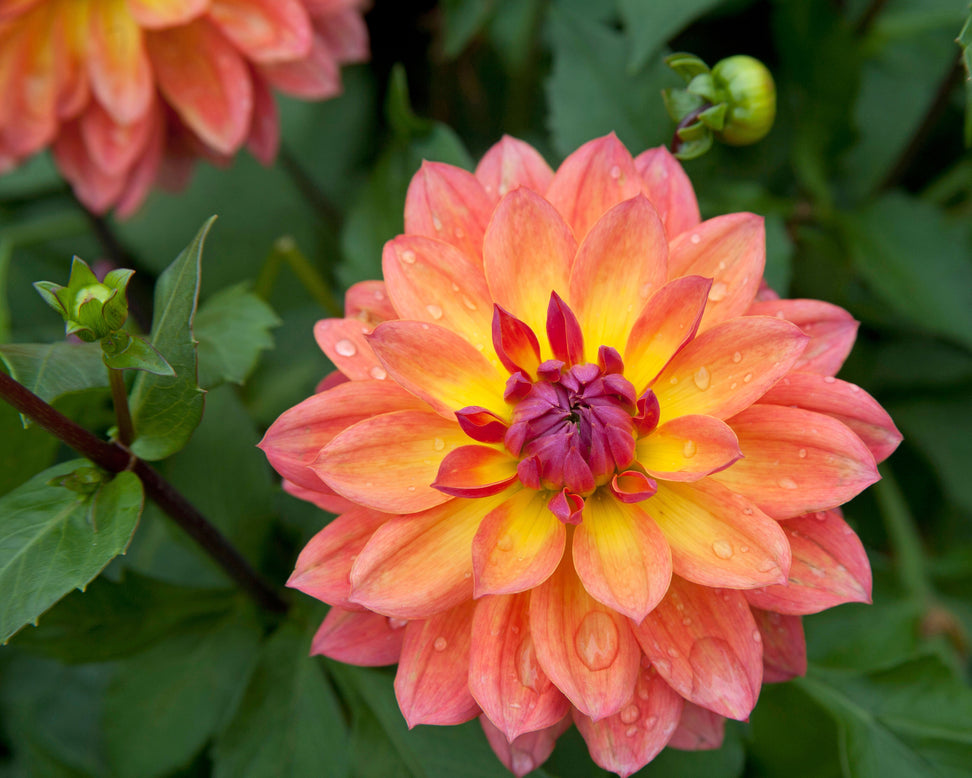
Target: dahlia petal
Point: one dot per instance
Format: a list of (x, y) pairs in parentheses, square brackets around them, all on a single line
[(475, 471), (92, 186), (706, 646), (118, 63), (145, 169), (591, 181), (626, 741), (344, 342), (728, 367), (700, 729), (388, 462), (418, 565), (296, 438), (564, 332), (585, 648), (688, 448), (796, 461), (28, 113), (729, 249), (528, 751), (113, 147), (69, 34), (154, 14), (344, 31), (518, 545), (369, 302), (527, 253), (323, 568), (831, 330), (432, 682), (829, 567), (719, 538), (429, 280), (438, 366), (263, 139), (512, 163), (359, 638), (515, 343), (621, 556), (666, 323), (619, 265), (505, 677), (265, 30), (448, 203), (666, 184), (313, 77), (847, 403), (323, 496), (213, 94), (784, 647)]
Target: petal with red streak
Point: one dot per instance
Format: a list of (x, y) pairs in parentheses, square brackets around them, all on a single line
[(831, 329), (165, 13), (314, 77), (529, 750), (668, 187), (621, 556), (705, 644), (728, 367), (784, 647), (505, 677), (344, 343), (700, 729), (512, 163), (265, 30), (688, 448), (358, 638), (719, 538), (585, 648), (518, 545), (118, 64), (829, 567), (475, 471), (796, 461)]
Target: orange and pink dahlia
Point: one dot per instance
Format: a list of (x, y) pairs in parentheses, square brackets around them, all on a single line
[(588, 466), (129, 92)]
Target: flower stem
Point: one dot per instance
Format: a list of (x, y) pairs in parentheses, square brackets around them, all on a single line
[(115, 459), (285, 250), (119, 397), (906, 543)]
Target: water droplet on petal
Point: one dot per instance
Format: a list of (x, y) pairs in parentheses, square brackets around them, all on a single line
[(437, 223), (744, 549), (378, 373), (696, 238), (737, 357), (787, 483), (468, 303), (722, 549), (522, 763), (673, 380), (615, 172), (802, 453), (829, 379), (672, 653), (345, 348), (689, 449), (650, 721), (664, 667), (718, 291), (747, 378), (631, 731), (408, 257), (630, 713), (434, 311), (397, 623), (757, 637), (528, 670), (702, 378), (458, 232), (596, 640), (438, 444), (687, 622), (440, 644), (505, 543)]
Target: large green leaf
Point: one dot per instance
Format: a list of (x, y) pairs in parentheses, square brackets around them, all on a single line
[(166, 409), (289, 723), (164, 704), (53, 540), (51, 370), (650, 24), (22, 451)]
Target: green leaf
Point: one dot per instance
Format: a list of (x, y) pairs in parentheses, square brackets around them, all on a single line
[(914, 720), (23, 451), (292, 707), (53, 540), (164, 704), (650, 24), (51, 370), (233, 327), (166, 410), (136, 354), (461, 21)]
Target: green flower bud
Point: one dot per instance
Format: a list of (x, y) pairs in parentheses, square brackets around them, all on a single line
[(91, 309), (747, 87)]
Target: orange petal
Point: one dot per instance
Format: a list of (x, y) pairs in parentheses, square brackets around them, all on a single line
[(368, 301), (518, 545), (92, 186), (784, 647), (831, 330), (626, 741), (314, 77), (668, 187), (527, 253), (729, 249), (359, 638), (688, 448), (323, 568), (296, 438), (666, 322), (143, 173), (529, 750), (728, 368), (206, 81), (429, 280), (388, 462), (418, 565), (118, 64), (796, 461), (155, 14), (265, 30), (475, 471), (343, 29), (263, 139), (621, 556), (448, 203), (505, 677), (619, 265), (512, 163), (323, 496), (432, 682), (584, 647), (847, 403), (30, 81), (112, 146), (344, 342), (69, 36), (699, 729), (591, 181), (705, 644), (829, 567), (719, 538), (439, 366)]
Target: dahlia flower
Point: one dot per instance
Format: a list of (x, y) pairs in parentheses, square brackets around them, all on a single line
[(587, 465), (128, 92)]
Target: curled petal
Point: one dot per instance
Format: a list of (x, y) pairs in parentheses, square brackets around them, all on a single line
[(699, 729), (831, 330), (528, 751), (481, 425), (688, 448), (564, 332), (632, 486), (784, 647), (512, 163), (668, 188), (515, 343), (475, 471), (359, 638)]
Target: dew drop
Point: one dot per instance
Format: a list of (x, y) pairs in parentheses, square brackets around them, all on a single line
[(702, 378), (645, 290), (345, 348), (468, 303), (787, 483), (757, 637), (596, 640), (378, 373), (631, 731), (829, 379), (696, 238), (438, 444), (408, 257), (802, 453), (440, 644), (722, 549), (747, 378), (687, 622), (664, 667), (434, 311), (411, 488), (733, 385), (673, 380), (397, 623), (455, 287), (737, 357), (744, 549), (644, 694), (458, 232), (650, 722), (689, 449), (630, 713), (615, 172), (505, 543), (437, 223), (522, 763)]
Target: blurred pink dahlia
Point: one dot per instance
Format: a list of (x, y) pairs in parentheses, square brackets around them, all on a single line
[(588, 467), (129, 92)]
